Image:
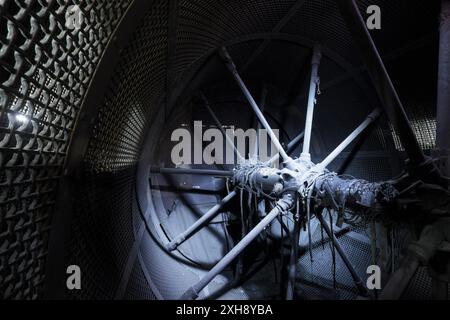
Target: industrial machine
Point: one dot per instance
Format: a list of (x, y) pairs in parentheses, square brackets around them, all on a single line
[(345, 196)]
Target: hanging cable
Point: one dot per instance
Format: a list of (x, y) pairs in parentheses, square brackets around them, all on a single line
[(333, 250)]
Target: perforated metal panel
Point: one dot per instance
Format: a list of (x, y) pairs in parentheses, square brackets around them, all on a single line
[(45, 69), (203, 25), (423, 122), (139, 81), (107, 195), (420, 286)]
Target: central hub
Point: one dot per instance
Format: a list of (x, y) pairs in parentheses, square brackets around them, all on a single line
[(261, 179), (303, 177)]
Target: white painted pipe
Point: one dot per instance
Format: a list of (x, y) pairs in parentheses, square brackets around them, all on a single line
[(232, 67), (315, 63), (344, 144)]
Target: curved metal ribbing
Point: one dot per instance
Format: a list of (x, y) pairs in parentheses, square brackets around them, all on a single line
[(45, 71), (131, 100)]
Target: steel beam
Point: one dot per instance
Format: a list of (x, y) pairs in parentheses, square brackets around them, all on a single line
[(200, 223), (203, 172), (420, 164), (313, 84), (233, 70), (443, 95), (363, 126), (356, 278), (219, 126), (290, 147), (283, 205)]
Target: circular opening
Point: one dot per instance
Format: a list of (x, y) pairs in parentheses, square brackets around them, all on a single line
[(174, 201)]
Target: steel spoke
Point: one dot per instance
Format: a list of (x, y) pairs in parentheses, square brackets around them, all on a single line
[(200, 223), (295, 142), (344, 144), (290, 147), (314, 82), (203, 172), (220, 127), (189, 189), (232, 68), (358, 282), (258, 124), (424, 166), (282, 205)]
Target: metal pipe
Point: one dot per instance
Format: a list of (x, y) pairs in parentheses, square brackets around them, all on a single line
[(383, 84), (344, 144), (220, 127), (358, 282), (232, 68), (294, 142), (200, 223), (314, 82), (258, 124), (443, 95), (205, 172), (282, 205)]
